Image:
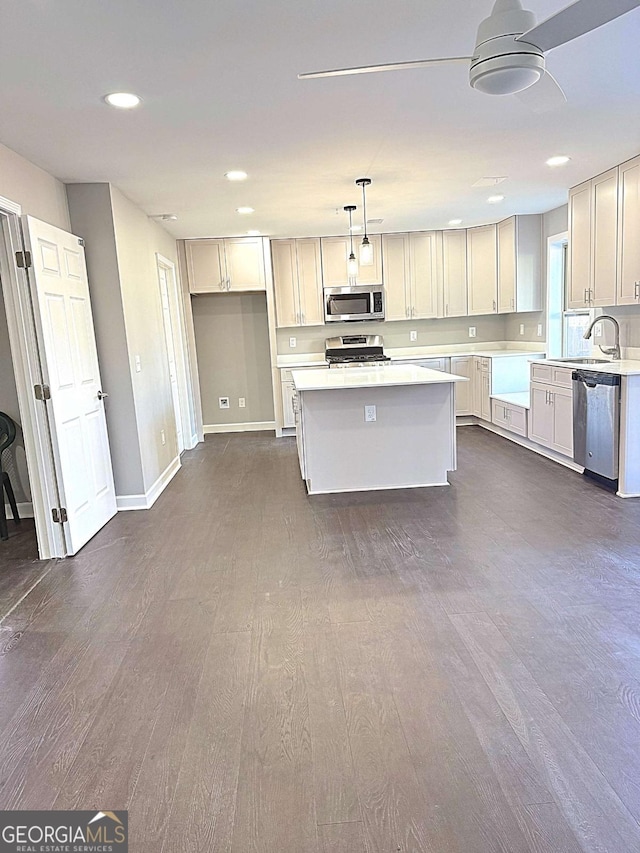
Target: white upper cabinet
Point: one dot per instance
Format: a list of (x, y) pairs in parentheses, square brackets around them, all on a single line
[(424, 275), (411, 275), (629, 232), (519, 264), (604, 238), (297, 282), (579, 271), (454, 273), (206, 266), (335, 253), (222, 265), (396, 276), (593, 242), (245, 263), (482, 259)]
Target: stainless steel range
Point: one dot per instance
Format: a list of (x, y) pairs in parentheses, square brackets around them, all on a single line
[(354, 350)]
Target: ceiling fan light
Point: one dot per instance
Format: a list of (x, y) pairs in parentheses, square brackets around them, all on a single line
[(366, 253), (506, 81)]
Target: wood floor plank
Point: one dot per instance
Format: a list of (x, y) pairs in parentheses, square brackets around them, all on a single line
[(597, 816), (202, 807), (335, 788), (394, 812), (275, 807), (341, 838)]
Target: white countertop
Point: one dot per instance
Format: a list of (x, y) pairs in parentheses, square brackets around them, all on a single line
[(368, 377), (516, 398), (317, 359), (625, 367)]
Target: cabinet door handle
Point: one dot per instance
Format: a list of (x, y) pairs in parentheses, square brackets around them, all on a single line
[(494, 305), (229, 284), (446, 307), (513, 303), (636, 292), (586, 295), (302, 317), (222, 284)]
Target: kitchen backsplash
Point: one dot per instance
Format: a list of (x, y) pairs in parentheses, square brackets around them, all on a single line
[(449, 330)]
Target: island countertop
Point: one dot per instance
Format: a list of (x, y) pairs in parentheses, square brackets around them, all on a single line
[(383, 376)]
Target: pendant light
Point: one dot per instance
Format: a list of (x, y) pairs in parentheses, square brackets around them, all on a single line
[(366, 249), (352, 262)]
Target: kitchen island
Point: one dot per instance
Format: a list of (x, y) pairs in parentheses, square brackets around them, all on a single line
[(367, 428)]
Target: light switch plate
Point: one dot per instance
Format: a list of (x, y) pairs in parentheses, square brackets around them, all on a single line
[(242, 402), (413, 336), (539, 330), (597, 331), (522, 328), (293, 342), (369, 414), (472, 331)]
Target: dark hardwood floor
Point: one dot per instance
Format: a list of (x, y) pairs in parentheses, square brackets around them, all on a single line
[(20, 568), (248, 670)]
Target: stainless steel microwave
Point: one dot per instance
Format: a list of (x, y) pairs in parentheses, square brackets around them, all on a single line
[(359, 302)]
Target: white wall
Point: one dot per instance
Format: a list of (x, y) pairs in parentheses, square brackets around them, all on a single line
[(40, 194)]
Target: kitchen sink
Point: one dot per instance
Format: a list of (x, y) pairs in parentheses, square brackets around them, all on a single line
[(584, 360)]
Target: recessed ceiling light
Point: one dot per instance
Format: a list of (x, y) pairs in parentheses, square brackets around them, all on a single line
[(495, 199), (455, 222), (560, 160), (253, 233), (236, 175), (122, 100), (244, 210)]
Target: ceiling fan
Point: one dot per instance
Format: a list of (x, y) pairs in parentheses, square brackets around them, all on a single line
[(508, 58)]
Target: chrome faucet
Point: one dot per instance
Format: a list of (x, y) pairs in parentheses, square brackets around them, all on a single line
[(613, 351)]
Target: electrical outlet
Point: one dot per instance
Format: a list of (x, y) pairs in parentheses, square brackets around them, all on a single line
[(522, 328), (293, 343), (539, 330), (413, 336), (369, 414), (597, 330), (163, 437), (242, 402), (138, 364), (223, 402), (472, 331)]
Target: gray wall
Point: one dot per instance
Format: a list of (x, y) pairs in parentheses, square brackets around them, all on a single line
[(232, 345), (121, 246), (92, 219), (40, 194)]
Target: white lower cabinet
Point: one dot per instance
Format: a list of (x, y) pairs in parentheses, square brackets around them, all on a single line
[(551, 419), (510, 416), (463, 365)]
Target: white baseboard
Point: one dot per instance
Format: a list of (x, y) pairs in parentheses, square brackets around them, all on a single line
[(147, 500), (254, 426), (25, 510)]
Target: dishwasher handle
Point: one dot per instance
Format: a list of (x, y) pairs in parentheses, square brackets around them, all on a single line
[(592, 378)]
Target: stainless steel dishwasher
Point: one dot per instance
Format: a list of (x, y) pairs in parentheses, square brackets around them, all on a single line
[(596, 422)]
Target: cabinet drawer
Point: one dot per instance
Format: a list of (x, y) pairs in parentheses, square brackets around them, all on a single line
[(562, 376), (432, 363), (541, 372)]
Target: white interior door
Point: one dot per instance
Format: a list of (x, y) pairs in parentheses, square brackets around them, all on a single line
[(171, 353), (70, 367)]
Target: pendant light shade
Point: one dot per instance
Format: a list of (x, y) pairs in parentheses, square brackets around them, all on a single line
[(366, 249), (352, 261)]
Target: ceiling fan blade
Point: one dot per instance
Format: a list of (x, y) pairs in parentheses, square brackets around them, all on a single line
[(576, 20), (392, 66), (543, 96)]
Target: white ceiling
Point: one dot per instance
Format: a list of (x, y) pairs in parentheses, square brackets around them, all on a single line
[(218, 79)]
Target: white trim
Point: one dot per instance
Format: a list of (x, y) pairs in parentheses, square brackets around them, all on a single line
[(375, 488), (147, 500), (9, 206), (253, 426), (25, 510)]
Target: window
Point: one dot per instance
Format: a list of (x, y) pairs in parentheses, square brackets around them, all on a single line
[(573, 342)]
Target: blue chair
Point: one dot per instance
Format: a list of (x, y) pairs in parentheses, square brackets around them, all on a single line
[(7, 437)]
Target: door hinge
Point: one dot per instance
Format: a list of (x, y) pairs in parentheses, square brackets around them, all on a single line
[(59, 515), (42, 392), (80, 241), (23, 259)]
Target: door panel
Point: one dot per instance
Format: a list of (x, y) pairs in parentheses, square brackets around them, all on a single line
[(454, 270), (70, 366), (424, 275), (629, 225), (396, 276)]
